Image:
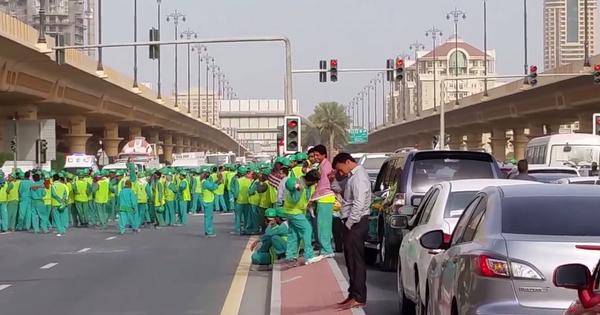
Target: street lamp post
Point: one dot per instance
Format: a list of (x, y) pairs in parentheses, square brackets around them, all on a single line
[(374, 83), (135, 55), (434, 33), (159, 96), (364, 109), (368, 88), (175, 17), (208, 61), (214, 74), (200, 49), (586, 61), (42, 16), (525, 39), (381, 78), (99, 67), (485, 53), (189, 34), (416, 47), (456, 16)]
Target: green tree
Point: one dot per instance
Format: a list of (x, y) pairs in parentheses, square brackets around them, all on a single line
[(331, 121)]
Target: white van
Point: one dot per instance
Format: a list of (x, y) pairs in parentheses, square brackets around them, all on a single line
[(189, 160), (575, 150), (76, 162), (25, 166)]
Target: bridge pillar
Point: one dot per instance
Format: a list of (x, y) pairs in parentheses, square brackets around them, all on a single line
[(77, 136), (552, 129), (111, 139), (456, 141), (178, 144), (152, 136), (424, 142), (167, 140), (519, 143), (187, 142), (474, 141), (194, 145), (585, 122), (498, 143), (535, 131), (134, 132)]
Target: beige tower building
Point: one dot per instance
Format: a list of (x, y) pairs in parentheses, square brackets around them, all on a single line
[(564, 31)]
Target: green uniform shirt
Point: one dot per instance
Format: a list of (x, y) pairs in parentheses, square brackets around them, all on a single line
[(292, 207), (244, 185), (13, 190), (103, 192), (59, 193)]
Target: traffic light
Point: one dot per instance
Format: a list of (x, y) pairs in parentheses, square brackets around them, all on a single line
[(323, 72), (399, 69), (333, 71), (13, 145), (59, 54), (291, 134), (154, 49), (596, 124), (390, 70), (41, 148), (533, 75), (596, 74)]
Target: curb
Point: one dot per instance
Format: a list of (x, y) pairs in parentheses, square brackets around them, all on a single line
[(276, 290), (342, 282)]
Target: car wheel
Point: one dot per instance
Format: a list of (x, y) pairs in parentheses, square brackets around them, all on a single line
[(406, 306), (389, 256)]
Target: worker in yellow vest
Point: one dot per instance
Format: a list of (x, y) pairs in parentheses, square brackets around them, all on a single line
[(158, 196), (185, 197), (12, 190), (218, 178), (92, 215), (82, 189), (24, 218), (60, 201), (71, 208), (196, 181), (298, 192), (45, 212), (208, 200), (244, 208), (253, 218), (170, 200), (272, 244), (230, 174), (101, 193), (3, 204), (38, 191)]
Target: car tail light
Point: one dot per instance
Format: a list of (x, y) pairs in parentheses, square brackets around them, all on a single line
[(399, 202), (490, 267), (447, 238)]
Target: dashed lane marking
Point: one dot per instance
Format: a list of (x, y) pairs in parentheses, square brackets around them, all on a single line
[(48, 266), (5, 286), (110, 238), (83, 250)]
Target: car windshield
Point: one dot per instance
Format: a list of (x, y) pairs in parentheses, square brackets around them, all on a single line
[(574, 154), (373, 163), (548, 215), (457, 202), (553, 170), (549, 177), (431, 170)]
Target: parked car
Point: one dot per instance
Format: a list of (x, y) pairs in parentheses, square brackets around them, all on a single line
[(405, 178), (372, 163), (441, 208), (578, 277), (588, 180), (549, 174), (506, 246)]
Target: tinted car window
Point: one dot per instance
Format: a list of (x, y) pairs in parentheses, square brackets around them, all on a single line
[(430, 169), (428, 207), (561, 215), (463, 221), (474, 221), (457, 201), (549, 177), (373, 163)]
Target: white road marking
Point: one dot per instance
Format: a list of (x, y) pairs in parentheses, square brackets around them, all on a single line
[(110, 238), (48, 266), (84, 250), (291, 279), (5, 286)]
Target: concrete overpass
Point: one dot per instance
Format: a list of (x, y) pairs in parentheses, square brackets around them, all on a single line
[(90, 106), (527, 112)]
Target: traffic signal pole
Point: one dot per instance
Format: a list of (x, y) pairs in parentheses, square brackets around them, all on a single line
[(287, 82)]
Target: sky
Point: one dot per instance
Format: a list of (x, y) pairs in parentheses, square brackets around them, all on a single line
[(359, 33)]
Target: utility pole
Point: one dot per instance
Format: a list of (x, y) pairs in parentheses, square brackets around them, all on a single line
[(135, 55), (416, 47), (42, 16), (159, 96), (456, 15), (434, 33), (188, 34), (175, 17)]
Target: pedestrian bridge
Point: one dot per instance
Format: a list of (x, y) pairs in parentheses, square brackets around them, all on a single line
[(88, 105)]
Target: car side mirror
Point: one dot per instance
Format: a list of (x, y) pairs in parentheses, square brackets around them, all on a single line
[(399, 221), (416, 202), (433, 240), (408, 211), (572, 276)]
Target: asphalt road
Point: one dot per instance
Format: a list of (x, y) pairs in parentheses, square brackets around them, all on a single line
[(167, 271)]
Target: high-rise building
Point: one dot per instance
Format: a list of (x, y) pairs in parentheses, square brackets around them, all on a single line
[(208, 102), (72, 19), (564, 31)]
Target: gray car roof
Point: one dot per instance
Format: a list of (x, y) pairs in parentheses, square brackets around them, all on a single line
[(550, 190)]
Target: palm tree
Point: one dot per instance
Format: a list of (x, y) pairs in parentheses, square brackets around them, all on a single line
[(331, 121)]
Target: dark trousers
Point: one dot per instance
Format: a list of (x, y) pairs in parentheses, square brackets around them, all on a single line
[(338, 232), (354, 253)]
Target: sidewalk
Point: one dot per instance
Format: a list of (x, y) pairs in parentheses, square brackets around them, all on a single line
[(313, 289)]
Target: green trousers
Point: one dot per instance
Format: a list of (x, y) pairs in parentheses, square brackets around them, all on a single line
[(269, 245), (13, 211), (325, 226), (73, 216), (159, 212), (250, 218), (299, 230), (3, 216), (220, 205), (92, 214), (102, 211), (237, 218), (37, 207), (60, 219), (24, 219), (170, 212), (209, 208), (144, 213), (196, 203), (182, 212), (44, 214), (82, 211), (127, 218)]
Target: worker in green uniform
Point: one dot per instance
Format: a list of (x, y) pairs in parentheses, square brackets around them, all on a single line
[(185, 197), (24, 218), (218, 178), (82, 189), (298, 192), (37, 193), (71, 201), (196, 182), (92, 215), (273, 243), (45, 211), (101, 193), (113, 181), (234, 190), (158, 196), (262, 189), (60, 201), (297, 169), (170, 200), (3, 204), (127, 208), (253, 222), (229, 196), (244, 208), (12, 190), (208, 202)]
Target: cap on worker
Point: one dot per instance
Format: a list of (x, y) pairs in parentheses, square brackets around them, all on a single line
[(270, 213), (301, 156), (290, 184)]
